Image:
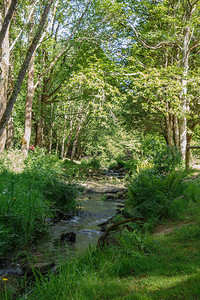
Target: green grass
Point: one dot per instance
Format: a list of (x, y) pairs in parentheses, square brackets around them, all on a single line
[(30, 195), (143, 266), (22, 210)]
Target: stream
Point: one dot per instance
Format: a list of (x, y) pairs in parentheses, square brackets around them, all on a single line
[(93, 211), (49, 249)]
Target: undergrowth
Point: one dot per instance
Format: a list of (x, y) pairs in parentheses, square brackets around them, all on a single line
[(142, 266), (29, 196), (158, 197)]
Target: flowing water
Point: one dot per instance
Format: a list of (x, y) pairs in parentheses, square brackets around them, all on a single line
[(93, 211)]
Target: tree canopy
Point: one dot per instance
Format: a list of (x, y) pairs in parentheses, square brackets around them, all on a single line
[(72, 69)]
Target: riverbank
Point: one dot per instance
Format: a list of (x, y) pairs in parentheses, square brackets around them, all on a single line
[(163, 265), (48, 250), (147, 258)]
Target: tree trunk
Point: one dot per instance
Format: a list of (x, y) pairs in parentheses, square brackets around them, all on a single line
[(10, 134), (80, 123), (42, 102), (4, 118), (10, 7), (71, 129), (4, 69), (29, 98), (75, 143), (51, 137), (39, 133), (185, 67), (176, 132), (67, 144), (188, 152), (169, 128), (64, 137), (40, 125), (51, 129)]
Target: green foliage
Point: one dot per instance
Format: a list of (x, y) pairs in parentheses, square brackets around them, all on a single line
[(168, 159), (49, 172), (22, 210), (136, 241), (143, 266), (39, 163), (153, 196), (61, 195), (28, 197), (71, 169), (92, 163)]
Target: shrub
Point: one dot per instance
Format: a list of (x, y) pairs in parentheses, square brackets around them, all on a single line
[(61, 195), (49, 174), (154, 196), (167, 159)]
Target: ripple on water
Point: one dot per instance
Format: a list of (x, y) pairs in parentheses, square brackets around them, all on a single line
[(93, 211)]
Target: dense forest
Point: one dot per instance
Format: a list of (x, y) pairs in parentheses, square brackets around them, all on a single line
[(100, 98)]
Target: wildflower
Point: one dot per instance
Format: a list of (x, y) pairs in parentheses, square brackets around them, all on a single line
[(5, 279), (14, 198)]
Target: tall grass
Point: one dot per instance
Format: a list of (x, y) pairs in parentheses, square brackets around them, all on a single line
[(28, 197), (142, 266), (23, 210)]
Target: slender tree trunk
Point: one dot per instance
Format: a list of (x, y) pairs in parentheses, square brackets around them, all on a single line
[(82, 149), (51, 138), (40, 125), (71, 129), (4, 118), (40, 133), (188, 151), (169, 126), (80, 123), (64, 137), (185, 67), (42, 102), (58, 140), (4, 69), (29, 98), (51, 129), (75, 143), (176, 132), (10, 134), (57, 145), (67, 144), (10, 7)]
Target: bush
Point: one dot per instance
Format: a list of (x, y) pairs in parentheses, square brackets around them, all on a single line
[(155, 196), (61, 195), (50, 174), (167, 159)]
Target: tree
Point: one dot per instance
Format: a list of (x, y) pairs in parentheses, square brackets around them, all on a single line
[(168, 33), (4, 118)]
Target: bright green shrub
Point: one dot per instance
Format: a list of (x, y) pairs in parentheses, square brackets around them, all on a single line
[(154, 196), (26, 198)]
